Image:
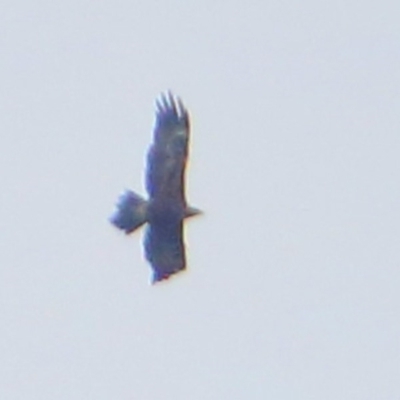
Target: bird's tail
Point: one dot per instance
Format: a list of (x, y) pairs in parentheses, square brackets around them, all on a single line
[(130, 212)]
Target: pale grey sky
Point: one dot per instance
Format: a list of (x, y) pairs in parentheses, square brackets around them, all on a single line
[(292, 291)]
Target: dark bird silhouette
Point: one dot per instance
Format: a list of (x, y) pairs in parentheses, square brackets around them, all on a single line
[(165, 210)]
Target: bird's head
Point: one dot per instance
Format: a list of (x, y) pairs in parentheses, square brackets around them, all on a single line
[(192, 211)]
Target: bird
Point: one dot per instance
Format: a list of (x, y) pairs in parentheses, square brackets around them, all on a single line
[(166, 208)]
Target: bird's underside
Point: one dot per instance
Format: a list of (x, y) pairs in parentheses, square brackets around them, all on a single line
[(165, 210)]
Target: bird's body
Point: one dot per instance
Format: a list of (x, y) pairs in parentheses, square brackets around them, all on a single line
[(166, 208)]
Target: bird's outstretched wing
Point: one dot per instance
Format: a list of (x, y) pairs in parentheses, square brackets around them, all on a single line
[(164, 249), (167, 156)]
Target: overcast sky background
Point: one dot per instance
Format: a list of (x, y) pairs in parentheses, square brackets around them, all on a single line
[(293, 284)]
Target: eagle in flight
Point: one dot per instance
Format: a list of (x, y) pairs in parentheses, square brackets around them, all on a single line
[(166, 207)]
